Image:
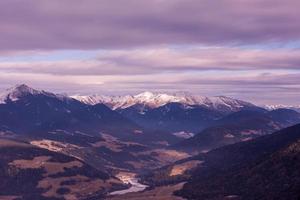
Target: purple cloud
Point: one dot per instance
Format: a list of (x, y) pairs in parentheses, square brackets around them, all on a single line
[(93, 24)]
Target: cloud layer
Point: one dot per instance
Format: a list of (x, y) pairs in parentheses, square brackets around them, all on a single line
[(164, 60), (93, 24)]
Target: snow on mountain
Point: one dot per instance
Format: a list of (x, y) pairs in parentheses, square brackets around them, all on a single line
[(92, 100), (113, 102), (155, 100), (278, 106), (19, 91)]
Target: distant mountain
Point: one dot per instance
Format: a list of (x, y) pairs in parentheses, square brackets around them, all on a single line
[(264, 168), (28, 172), (274, 107), (172, 117), (240, 126), (172, 113), (155, 100)]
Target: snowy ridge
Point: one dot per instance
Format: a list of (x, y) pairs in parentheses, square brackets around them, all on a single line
[(278, 106), (145, 99), (155, 100)]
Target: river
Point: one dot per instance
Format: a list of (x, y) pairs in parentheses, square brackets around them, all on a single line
[(129, 178)]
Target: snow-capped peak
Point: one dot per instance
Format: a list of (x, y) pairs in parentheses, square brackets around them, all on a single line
[(16, 92), (156, 99), (22, 90), (145, 95)]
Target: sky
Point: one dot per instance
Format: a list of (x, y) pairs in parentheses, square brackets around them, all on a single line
[(246, 49)]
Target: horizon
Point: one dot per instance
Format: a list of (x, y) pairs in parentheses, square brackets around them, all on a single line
[(247, 50)]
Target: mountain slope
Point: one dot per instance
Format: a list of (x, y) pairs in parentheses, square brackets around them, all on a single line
[(172, 117), (219, 160), (240, 126), (30, 173), (265, 168)]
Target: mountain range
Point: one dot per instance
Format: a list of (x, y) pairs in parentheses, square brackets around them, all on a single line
[(154, 112), (155, 100), (28, 111), (173, 113), (162, 137), (152, 117)]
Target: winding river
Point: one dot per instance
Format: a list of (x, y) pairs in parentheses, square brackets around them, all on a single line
[(129, 178)]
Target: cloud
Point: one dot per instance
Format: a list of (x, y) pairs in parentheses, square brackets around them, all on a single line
[(162, 60), (208, 58), (94, 24)]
